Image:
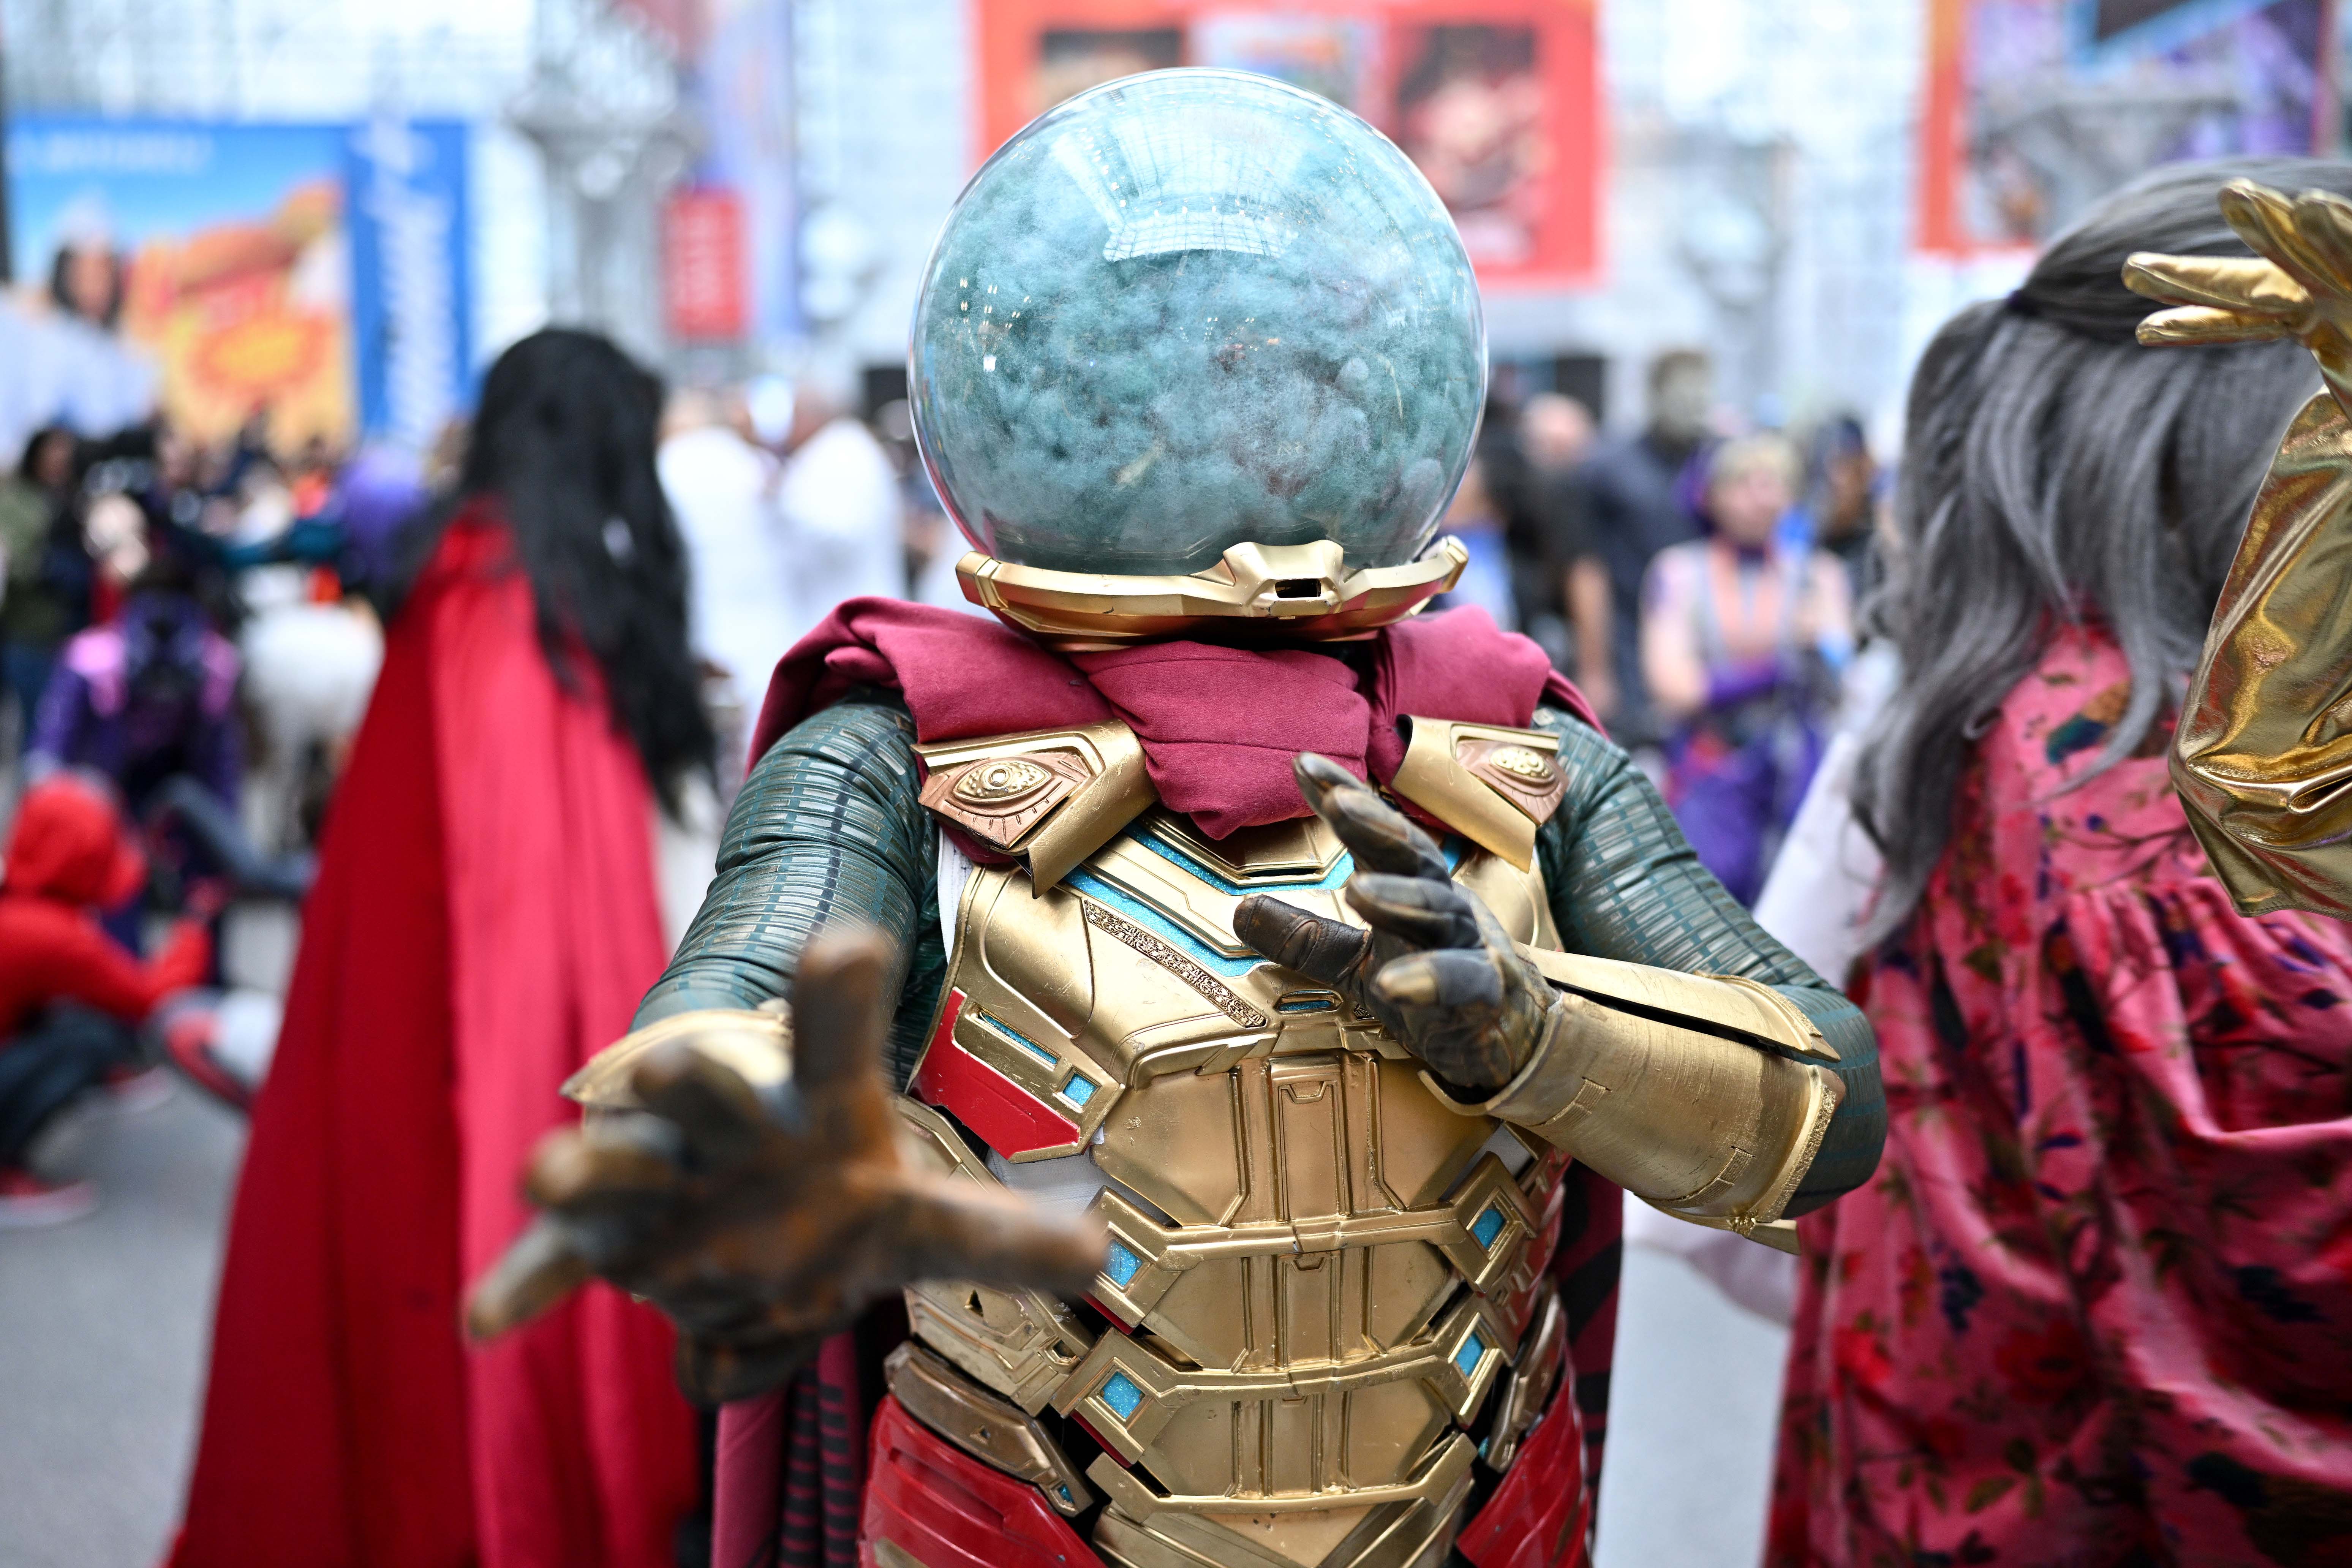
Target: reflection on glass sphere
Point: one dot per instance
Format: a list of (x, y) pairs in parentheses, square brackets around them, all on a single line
[(1189, 310)]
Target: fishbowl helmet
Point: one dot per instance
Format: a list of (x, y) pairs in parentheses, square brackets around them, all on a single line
[(1199, 343)]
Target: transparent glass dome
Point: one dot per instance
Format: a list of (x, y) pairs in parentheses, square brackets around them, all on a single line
[(1189, 310)]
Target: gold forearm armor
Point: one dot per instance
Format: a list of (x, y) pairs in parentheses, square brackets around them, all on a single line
[(1670, 1084)]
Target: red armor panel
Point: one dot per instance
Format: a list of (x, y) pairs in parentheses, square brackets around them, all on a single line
[(946, 1509), (1539, 1516), (1012, 1120)]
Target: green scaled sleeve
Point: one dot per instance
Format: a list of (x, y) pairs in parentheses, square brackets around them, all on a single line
[(1625, 884), (826, 828)]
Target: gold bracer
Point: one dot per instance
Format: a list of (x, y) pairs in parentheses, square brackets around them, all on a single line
[(1306, 587), (757, 1043), (1670, 1084)]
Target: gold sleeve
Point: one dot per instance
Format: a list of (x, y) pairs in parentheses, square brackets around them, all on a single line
[(2263, 757), (1676, 1088)]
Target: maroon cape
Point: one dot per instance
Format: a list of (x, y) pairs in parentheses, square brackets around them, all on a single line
[(1218, 728), (485, 919)]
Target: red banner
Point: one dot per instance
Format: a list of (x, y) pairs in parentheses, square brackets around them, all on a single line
[(702, 266), (1498, 102)]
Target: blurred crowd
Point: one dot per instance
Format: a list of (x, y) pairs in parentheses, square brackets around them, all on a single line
[(1696, 577)]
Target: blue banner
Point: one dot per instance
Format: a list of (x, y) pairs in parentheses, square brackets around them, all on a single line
[(412, 310)]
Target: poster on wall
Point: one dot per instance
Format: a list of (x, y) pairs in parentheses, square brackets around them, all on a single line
[(2035, 108), (1498, 102), (308, 276)]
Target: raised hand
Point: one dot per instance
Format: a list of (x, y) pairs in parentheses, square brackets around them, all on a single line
[(2298, 285), (1437, 968), (763, 1222)]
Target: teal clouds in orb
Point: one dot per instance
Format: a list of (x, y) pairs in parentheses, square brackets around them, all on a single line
[(1191, 308)]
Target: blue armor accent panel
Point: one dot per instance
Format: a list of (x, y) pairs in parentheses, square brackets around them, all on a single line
[(1122, 1266), (1467, 1358), (1486, 1228), (1122, 1395)]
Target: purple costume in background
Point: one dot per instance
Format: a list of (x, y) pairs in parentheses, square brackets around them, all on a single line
[(148, 696)]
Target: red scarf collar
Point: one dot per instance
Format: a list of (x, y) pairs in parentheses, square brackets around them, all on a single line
[(1219, 725)]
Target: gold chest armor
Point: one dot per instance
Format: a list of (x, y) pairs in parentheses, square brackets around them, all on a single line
[(1322, 1273)]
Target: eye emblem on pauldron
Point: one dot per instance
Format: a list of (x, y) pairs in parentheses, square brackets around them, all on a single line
[(1520, 761), (992, 782)]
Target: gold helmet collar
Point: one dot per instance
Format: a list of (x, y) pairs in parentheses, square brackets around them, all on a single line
[(1306, 587)]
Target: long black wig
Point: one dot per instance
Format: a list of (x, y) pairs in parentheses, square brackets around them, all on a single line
[(563, 442)]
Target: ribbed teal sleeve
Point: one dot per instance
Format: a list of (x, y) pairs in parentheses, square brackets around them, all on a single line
[(826, 828), (1625, 884)]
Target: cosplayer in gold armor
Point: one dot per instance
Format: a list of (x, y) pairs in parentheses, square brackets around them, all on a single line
[(1252, 1168)]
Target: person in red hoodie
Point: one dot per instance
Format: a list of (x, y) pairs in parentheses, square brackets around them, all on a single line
[(70, 994)]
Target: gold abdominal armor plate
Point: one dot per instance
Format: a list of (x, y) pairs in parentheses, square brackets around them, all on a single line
[(1319, 1275)]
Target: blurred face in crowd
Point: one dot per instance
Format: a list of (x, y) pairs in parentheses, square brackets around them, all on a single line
[(1753, 487), (1554, 431), (89, 280), (115, 533), (52, 467), (1683, 397), (1850, 475)]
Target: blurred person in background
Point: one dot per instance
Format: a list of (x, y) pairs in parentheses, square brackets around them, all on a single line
[(1632, 509), (1526, 458), (148, 693), (45, 593), (723, 490), (2091, 1309), (839, 501), (1839, 509), (488, 913), (1742, 637), (1475, 518), (70, 996)]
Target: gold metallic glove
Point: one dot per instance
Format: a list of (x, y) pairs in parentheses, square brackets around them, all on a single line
[(1688, 1091), (2263, 757), (1437, 968), (2299, 286), (762, 1218)]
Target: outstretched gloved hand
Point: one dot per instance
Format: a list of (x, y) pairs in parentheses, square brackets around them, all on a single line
[(761, 1223), (2298, 285), (1435, 968)]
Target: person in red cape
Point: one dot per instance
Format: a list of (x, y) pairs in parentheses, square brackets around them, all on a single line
[(484, 919), (1221, 1007)]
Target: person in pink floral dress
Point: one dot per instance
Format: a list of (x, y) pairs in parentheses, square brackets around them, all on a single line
[(2095, 1309)]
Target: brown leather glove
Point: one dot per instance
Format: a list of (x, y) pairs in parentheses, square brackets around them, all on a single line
[(1437, 968), (761, 1223)]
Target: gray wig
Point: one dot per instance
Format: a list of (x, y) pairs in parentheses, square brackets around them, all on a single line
[(2053, 470)]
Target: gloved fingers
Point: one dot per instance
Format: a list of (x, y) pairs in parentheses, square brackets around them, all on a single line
[(841, 1014), (2232, 283), (1381, 838), (721, 1116), (1449, 980), (1315, 945), (2323, 219), (2266, 219), (2195, 326), (543, 1266), (1416, 910), (626, 1162), (958, 1231)]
